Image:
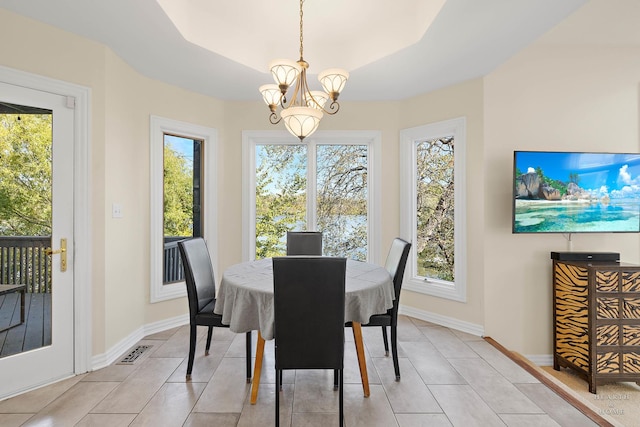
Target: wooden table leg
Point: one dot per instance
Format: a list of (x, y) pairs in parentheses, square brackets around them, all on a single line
[(357, 337), (257, 369)]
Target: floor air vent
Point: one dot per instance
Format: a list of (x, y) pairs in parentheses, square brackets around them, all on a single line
[(134, 355)]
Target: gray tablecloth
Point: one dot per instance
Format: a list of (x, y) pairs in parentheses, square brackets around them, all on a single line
[(245, 295)]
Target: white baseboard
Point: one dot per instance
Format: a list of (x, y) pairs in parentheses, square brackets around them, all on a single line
[(449, 322), (105, 359), (470, 328)]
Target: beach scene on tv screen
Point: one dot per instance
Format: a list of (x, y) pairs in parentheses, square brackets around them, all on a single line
[(557, 192)]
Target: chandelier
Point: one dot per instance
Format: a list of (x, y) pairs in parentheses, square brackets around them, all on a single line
[(304, 109)]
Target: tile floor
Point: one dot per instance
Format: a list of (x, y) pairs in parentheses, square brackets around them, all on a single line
[(449, 378)]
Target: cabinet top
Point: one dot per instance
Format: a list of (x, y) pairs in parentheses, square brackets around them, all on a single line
[(599, 264)]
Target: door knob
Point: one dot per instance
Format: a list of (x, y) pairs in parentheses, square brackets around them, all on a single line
[(63, 254)]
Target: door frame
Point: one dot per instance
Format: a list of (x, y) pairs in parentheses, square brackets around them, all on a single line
[(82, 261)]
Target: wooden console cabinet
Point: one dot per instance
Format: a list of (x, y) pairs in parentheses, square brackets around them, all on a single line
[(596, 316)]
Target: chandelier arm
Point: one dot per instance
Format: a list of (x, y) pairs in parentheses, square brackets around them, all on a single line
[(298, 90), (274, 119), (333, 108), (313, 99)]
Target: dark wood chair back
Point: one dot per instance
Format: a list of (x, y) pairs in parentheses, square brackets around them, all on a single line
[(309, 295), (304, 243)]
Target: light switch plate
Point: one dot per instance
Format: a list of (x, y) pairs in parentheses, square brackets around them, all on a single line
[(116, 211)]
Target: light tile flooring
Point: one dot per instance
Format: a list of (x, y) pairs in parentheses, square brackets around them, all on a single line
[(449, 378)]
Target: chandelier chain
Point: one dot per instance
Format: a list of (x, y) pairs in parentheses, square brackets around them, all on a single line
[(301, 1)]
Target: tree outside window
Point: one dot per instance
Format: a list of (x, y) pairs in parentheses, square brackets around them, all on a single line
[(181, 199), (25, 174), (339, 210), (435, 207)]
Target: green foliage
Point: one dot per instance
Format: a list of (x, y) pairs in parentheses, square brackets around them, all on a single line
[(341, 204), (540, 173), (280, 196), (178, 194), (574, 177), (558, 185), (342, 199), (25, 174), (435, 208)]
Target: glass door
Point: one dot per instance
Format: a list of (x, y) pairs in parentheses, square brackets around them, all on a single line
[(36, 238)]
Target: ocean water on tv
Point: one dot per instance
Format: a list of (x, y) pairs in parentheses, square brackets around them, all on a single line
[(539, 216)]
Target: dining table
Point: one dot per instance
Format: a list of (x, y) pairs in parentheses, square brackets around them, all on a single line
[(245, 301)]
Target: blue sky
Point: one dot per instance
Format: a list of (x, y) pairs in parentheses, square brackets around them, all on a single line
[(181, 145), (605, 173)]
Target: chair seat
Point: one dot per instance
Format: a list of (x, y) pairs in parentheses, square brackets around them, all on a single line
[(375, 320), (379, 320), (206, 316)]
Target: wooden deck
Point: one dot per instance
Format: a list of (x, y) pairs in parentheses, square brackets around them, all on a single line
[(35, 332)]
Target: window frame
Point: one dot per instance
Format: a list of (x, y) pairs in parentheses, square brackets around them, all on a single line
[(456, 290), (160, 126), (250, 139)]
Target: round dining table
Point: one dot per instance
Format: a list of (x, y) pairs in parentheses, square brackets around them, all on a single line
[(245, 301)]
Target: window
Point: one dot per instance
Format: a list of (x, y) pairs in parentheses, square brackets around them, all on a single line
[(182, 199), (182, 213), (433, 207), (328, 183)]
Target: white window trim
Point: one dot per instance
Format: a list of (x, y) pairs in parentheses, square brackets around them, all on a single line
[(158, 128), (457, 290), (252, 138)]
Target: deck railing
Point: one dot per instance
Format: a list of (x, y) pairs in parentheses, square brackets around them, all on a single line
[(173, 271), (23, 261)]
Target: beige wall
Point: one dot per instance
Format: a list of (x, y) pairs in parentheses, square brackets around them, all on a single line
[(555, 98), (121, 102), (462, 100), (548, 98), (131, 99)]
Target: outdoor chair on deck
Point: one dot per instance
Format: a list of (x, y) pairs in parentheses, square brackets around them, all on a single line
[(309, 295), (201, 293), (395, 265)]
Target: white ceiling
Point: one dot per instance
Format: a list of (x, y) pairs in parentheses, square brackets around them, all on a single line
[(335, 34), (389, 48)]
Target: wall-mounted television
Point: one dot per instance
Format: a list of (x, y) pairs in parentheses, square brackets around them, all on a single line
[(576, 192)]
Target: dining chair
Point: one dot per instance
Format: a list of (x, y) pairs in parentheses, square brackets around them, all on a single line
[(395, 265), (304, 242), (201, 293), (309, 295)]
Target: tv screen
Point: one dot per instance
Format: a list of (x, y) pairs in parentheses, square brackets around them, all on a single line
[(563, 192)]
